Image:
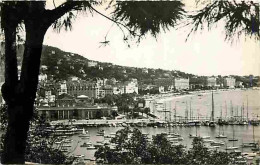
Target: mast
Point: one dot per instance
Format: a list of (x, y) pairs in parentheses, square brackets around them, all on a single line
[(190, 111), (212, 112), (241, 113), (165, 110), (226, 110), (233, 135), (231, 112), (253, 133), (175, 113), (196, 132), (247, 108), (170, 116), (221, 112), (237, 113), (187, 112)]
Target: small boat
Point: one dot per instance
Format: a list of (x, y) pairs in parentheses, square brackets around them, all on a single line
[(145, 134), (174, 134), (98, 145), (107, 137), (205, 137), (176, 139), (252, 144), (84, 134), (231, 148), (79, 156), (221, 136), (66, 145), (193, 136), (208, 141), (64, 150), (255, 149), (237, 151), (67, 140), (212, 123), (84, 145), (59, 142), (112, 134), (233, 139), (101, 132), (214, 143), (91, 147), (212, 147)]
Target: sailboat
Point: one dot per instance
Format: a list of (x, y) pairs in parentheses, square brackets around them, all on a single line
[(233, 135), (212, 123), (84, 134), (231, 148), (233, 140), (193, 136), (221, 135), (253, 144)]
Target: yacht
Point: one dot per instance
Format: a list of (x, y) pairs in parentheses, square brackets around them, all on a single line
[(221, 136), (215, 143), (231, 148), (84, 134), (101, 132)]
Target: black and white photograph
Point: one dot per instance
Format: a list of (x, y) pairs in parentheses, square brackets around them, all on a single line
[(130, 82)]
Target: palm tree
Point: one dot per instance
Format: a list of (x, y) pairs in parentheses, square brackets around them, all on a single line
[(137, 18)]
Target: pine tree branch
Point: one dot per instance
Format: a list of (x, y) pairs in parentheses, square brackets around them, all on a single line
[(58, 12)]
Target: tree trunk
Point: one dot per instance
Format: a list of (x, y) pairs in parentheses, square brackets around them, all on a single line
[(20, 110)]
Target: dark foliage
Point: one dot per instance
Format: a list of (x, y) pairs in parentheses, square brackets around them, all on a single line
[(149, 16), (40, 146), (132, 147), (239, 17)]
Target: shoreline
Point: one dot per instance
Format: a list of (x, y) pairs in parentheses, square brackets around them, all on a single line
[(170, 96)]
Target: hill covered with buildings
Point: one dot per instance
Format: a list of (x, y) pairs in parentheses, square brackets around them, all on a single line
[(70, 80)]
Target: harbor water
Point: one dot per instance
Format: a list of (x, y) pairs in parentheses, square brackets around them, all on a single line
[(231, 103), (200, 105)]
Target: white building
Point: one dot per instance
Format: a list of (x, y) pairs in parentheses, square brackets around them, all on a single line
[(229, 82), (49, 97), (126, 87), (63, 88), (131, 87), (116, 90), (92, 63), (181, 83), (211, 81), (161, 89), (43, 77)]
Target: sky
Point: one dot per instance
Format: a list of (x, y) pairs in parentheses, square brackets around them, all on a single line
[(205, 53)]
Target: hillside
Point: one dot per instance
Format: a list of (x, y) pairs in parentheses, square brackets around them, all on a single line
[(62, 65)]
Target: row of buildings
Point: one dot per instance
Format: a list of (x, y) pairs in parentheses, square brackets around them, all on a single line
[(177, 83), (95, 89)]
